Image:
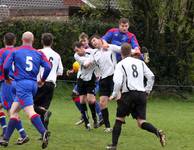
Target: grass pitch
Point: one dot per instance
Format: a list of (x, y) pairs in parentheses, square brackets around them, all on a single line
[(172, 114)]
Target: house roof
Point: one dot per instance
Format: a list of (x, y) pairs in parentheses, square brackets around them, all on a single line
[(113, 4), (33, 3), (23, 4), (73, 2)]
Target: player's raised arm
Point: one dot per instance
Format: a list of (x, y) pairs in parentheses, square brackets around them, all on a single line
[(115, 48), (135, 45), (80, 55)]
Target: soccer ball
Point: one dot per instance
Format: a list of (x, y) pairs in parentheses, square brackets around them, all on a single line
[(76, 66)]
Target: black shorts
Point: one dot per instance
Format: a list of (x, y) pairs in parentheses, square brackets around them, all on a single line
[(86, 87), (106, 86), (134, 103), (44, 95)]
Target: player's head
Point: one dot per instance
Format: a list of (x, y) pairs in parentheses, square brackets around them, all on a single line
[(95, 41), (27, 38), (83, 38), (125, 50), (79, 48), (123, 25), (47, 39), (9, 39)]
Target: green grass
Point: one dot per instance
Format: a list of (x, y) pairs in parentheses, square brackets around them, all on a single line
[(170, 113)]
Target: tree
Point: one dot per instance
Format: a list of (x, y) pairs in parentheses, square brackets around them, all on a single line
[(165, 27)]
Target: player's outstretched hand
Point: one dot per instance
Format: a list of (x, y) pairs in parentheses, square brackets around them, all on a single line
[(111, 98), (69, 72), (40, 83)]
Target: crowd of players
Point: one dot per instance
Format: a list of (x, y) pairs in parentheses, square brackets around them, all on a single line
[(113, 62), (21, 68), (98, 57)]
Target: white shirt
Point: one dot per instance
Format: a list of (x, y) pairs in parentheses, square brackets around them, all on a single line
[(106, 60), (129, 75), (85, 73), (56, 63)]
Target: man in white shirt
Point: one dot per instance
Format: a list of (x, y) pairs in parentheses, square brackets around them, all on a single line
[(105, 59), (129, 80), (45, 93), (86, 82)]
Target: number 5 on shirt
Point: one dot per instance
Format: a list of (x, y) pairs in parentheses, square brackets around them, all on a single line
[(29, 63)]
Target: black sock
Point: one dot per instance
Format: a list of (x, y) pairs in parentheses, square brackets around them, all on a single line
[(150, 128), (105, 116), (84, 113), (93, 111), (116, 132)]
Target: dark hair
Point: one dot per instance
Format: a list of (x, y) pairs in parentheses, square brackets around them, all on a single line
[(47, 39), (9, 38), (123, 20), (77, 44), (90, 40), (125, 49)]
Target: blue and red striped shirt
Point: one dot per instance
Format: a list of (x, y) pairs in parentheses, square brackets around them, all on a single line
[(114, 36), (27, 62), (4, 52)]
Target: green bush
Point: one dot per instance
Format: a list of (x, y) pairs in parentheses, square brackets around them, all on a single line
[(65, 33), (171, 59)]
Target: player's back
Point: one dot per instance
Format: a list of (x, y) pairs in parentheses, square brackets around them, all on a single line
[(55, 60), (27, 62), (133, 70)]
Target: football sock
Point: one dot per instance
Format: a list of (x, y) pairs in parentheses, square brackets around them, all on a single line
[(3, 122), (93, 111), (149, 127), (20, 129), (84, 113), (116, 132), (105, 116), (36, 121), (41, 112), (10, 128), (98, 111), (78, 105)]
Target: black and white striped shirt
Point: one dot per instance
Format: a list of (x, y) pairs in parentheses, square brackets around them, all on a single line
[(129, 75)]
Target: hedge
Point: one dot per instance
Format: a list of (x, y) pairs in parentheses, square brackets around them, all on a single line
[(164, 61)]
